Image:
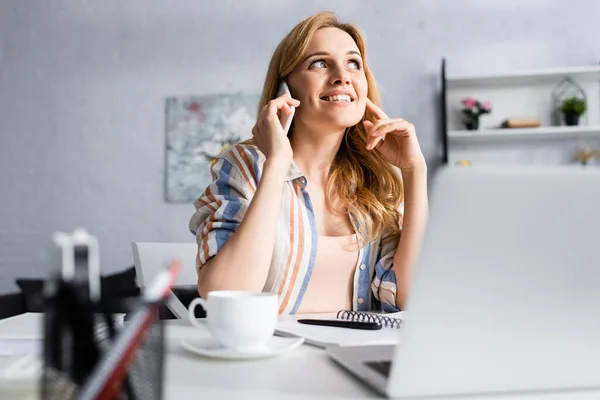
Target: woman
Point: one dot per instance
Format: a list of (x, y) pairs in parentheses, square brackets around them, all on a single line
[(315, 216)]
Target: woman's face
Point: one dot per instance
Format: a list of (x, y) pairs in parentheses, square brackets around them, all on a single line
[(330, 82)]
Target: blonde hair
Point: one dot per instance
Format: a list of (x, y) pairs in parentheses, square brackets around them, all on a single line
[(365, 183)]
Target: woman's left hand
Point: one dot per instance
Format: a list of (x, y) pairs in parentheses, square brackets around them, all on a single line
[(395, 139)]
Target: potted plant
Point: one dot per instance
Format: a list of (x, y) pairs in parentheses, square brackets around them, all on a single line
[(573, 108), (472, 110)]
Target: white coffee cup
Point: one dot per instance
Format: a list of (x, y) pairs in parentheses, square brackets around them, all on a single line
[(240, 320)]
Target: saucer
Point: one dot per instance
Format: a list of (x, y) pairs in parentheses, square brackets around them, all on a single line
[(209, 347)]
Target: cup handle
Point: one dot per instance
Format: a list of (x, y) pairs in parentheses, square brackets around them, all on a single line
[(192, 308)]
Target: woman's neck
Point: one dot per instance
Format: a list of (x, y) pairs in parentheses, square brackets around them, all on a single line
[(314, 151)]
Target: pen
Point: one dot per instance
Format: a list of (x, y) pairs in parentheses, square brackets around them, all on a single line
[(370, 326)]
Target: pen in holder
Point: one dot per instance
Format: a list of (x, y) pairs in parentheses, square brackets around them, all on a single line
[(72, 294), (85, 357)]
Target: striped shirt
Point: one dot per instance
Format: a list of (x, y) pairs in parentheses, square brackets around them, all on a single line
[(236, 173)]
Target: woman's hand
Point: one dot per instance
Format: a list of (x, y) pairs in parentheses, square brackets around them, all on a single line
[(395, 139), (268, 133)]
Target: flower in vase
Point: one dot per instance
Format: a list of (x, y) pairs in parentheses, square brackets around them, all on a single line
[(473, 109)]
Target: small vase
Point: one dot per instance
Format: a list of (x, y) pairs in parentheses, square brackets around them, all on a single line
[(472, 125), (572, 119)]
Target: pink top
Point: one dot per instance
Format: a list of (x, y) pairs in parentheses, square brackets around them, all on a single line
[(331, 281)]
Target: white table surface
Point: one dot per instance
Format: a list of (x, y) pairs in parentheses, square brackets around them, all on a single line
[(303, 373)]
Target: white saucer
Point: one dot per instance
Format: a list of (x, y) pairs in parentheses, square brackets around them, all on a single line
[(209, 347)]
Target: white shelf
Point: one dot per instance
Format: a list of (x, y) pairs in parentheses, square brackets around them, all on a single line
[(528, 77), (510, 134)]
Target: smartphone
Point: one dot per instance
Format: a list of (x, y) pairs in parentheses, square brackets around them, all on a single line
[(285, 119)]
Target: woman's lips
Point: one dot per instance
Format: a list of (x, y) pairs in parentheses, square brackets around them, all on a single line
[(340, 104)]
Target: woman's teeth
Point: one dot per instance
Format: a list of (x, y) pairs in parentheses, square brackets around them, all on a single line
[(338, 97)]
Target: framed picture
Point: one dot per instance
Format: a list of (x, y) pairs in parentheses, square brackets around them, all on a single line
[(198, 128)]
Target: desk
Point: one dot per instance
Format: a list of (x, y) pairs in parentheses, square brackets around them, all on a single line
[(304, 373)]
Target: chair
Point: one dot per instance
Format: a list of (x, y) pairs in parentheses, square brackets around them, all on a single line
[(115, 286), (11, 304), (151, 257)]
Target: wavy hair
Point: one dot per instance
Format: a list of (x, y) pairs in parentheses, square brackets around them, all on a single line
[(367, 185)]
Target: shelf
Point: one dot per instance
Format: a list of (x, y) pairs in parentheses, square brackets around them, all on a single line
[(529, 77), (509, 134)]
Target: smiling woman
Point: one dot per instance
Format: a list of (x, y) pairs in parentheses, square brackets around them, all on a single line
[(314, 216)]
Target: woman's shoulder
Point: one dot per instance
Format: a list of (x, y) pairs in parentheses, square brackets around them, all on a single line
[(244, 156), (246, 149)]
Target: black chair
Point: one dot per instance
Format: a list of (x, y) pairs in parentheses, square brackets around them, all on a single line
[(11, 304), (116, 287)]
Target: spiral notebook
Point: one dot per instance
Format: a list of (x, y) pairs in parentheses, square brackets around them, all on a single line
[(323, 336)]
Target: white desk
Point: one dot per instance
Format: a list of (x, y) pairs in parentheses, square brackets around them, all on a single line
[(304, 373)]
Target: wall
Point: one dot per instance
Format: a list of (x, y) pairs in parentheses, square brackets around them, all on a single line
[(82, 89)]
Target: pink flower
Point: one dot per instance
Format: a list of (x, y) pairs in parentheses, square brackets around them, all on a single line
[(469, 103), (487, 106)]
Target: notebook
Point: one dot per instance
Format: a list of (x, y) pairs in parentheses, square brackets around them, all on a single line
[(323, 336), (21, 334)]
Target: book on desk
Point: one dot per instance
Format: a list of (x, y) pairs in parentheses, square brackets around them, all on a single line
[(323, 336)]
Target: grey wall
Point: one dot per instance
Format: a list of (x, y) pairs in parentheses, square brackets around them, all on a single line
[(82, 89)]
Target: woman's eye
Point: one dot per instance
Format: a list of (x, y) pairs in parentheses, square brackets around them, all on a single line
[(355, 64), (317, 64)]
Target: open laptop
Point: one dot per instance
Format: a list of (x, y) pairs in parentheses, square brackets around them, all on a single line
[(506, 294)]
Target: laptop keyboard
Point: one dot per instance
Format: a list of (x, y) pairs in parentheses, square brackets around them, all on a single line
[(383, 367)]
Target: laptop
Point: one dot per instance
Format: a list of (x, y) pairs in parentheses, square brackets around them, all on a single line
[(506, 294)]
